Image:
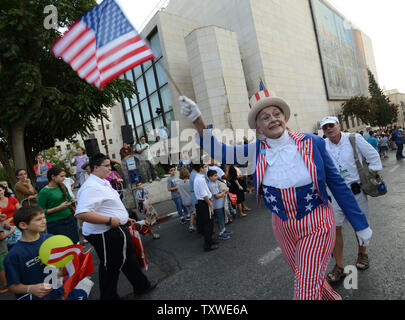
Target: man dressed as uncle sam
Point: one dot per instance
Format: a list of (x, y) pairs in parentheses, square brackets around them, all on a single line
[(292, 173)]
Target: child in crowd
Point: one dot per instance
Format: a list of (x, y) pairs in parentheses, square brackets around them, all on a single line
[(24, 270), (141, 195), (383, 144), (184, 190), (3, 251), (218, 200), (173, 188)]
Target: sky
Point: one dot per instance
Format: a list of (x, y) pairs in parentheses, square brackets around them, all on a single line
[(381, 20)]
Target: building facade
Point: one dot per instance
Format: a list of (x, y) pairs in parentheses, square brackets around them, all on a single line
[(111, 144), (217, 52), (398, 98)]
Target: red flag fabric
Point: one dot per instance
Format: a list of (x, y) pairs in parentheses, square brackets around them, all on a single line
[(79, 268), (140, 251), (102, 45), (58, 254)]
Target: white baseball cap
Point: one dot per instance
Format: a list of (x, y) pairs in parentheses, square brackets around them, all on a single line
[(327, 120)]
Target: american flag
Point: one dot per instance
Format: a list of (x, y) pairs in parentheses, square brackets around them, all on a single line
[(102, 45)]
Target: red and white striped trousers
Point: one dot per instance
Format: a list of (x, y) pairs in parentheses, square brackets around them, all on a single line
[(307, 245)]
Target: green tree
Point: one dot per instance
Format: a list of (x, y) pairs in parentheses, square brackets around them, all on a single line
[(42, 98), (375, 110)]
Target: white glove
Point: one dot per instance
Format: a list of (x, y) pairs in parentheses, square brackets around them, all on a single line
[(189, 109), (364, 237)]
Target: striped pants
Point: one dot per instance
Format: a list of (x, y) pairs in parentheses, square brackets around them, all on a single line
[(307, 246)]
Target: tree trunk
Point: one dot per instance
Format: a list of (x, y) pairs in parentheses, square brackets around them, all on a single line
[(5, 161), (17, 141)]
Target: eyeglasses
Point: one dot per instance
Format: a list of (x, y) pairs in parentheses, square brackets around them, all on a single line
[(106, 165), (266, 117), (328, 126)]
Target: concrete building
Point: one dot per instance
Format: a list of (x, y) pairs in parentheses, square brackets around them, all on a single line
[(218, 51), (112, 129), (399, 99)]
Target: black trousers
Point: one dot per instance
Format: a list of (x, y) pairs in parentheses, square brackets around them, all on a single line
[(206, 224), (110, 250), (400, 147)]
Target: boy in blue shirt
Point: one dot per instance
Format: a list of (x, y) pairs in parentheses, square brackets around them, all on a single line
[(24, 270)]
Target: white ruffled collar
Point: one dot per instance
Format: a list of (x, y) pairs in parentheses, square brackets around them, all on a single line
[(285, 139)]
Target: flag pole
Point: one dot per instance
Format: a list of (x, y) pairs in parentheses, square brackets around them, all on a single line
[(171, 79)]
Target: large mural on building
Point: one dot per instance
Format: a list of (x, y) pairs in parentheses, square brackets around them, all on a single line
[(342, 53)]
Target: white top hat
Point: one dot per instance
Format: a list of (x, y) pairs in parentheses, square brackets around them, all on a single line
[(264, 99)]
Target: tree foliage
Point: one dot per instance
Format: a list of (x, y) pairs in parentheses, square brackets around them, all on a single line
[(41, 97), (375, 110)]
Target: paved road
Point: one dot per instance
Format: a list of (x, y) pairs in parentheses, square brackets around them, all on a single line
[(250, 265)]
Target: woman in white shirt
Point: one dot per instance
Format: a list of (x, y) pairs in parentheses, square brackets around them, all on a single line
[(291, 173)]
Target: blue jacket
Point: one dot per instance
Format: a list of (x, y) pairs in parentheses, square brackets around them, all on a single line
[(324, 173)]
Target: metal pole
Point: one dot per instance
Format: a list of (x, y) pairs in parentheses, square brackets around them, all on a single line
[(105, 138)]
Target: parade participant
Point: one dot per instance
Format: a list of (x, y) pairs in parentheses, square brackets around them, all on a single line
[(141, 195), (372, 140), (341, 151), (24, 270), (58, 206), (292, 171), (41, 169), (204, 207), (80, 159), (3, 251), (183, 186), (143, 149), (398, 137), (218, 200), (191, 179), (383, 144), (174, 190), (105, 219), (8, 204)]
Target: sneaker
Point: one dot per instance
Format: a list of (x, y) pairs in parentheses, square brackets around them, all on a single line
[(223, 236), (156, 236), (150, 180), (188, 217), (229, 232), (182, 220), (192, 229)]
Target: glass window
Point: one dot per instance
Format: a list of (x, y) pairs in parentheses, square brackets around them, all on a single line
[(150, 80), (147, 64), (145, 110), (134, 100), (158, 122), (141, 88), (148, 129), (139, 131), (138, 71), (130, 120), (129, 76), (137, 115), (155, 45), (161, 74), (169, 117), (166, 100), (126, 103), (154, 103)]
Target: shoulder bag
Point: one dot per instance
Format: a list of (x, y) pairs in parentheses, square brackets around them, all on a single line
[(372, 185)]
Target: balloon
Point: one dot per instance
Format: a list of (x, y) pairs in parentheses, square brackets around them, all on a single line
[(51, 243)]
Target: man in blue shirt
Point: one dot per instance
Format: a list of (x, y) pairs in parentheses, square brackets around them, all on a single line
[(398, 137)]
